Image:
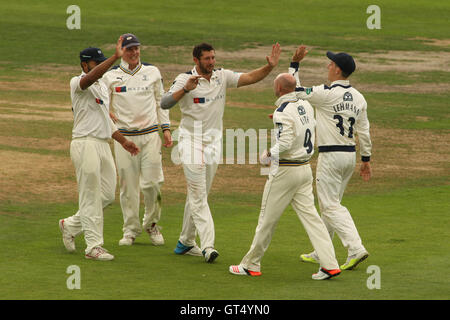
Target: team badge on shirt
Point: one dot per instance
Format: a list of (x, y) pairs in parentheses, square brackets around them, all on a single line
[(301, 110), (280, 129), (97, 100), (348, 96)]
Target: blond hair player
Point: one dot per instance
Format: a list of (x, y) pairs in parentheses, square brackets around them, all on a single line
[(135, 89), (341, 114), (91, 154), (290, 182)]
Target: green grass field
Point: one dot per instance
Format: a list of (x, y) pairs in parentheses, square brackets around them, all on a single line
[(402, 214)]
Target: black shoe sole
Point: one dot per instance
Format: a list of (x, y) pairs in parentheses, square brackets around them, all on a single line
[(213, 256)]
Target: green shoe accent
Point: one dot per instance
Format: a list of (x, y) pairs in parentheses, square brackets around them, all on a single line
[(308, 258), (352, 263)]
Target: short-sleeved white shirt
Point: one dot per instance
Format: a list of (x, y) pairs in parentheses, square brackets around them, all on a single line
[(90, 110), (205, 104)]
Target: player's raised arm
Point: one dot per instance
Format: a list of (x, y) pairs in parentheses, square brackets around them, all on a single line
[(315, 94), (98, 71), (258, 74)]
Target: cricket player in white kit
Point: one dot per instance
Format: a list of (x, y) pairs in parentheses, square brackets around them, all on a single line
[(341, 114), (91, 153), (201, 94), (136, 89), (290, 182)]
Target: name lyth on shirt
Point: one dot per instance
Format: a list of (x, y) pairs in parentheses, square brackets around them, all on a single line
[(343, 106)]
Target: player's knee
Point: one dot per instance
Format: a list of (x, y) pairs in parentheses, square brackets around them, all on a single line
[(108, 199), (330, 209)]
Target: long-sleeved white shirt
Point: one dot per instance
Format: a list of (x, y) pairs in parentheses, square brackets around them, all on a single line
[(136, 96), (295, 125), (341, 113)]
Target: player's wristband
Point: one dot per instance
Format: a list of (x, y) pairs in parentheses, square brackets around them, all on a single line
[(185, 90), (294, 65), (365, 158), (165, 127)]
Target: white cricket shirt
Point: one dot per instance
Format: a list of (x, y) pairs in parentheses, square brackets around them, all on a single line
[(341, 113), (294, 125), (202, 108), (136, 96), (90, 110)]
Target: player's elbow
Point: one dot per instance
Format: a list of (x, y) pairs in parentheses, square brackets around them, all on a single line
[(168, 101)]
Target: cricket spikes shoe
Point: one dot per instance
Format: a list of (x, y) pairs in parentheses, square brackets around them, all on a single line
[(156, 237), (210, 254), (310, 257), (188, 250), (68, 239), (241, 271), (325, 274), (100, 254), (126, 241), (354, 260)]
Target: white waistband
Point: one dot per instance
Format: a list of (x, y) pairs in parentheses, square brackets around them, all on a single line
[(91, 138)]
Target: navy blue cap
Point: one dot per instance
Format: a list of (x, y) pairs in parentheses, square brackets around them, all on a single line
[(130, 40), (92, 54), (343, 60)]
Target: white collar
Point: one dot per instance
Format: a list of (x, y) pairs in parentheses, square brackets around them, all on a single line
[(341, 82), (291, 96), (126, 66)]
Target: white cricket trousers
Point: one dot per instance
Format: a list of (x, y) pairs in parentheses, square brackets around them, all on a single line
[(334, 170), (142, 172), (199, 168), (290, 185), (96, 177)]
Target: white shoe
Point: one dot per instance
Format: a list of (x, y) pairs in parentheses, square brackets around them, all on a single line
[(155, 234), (354, 260), (210, 254), (194, 251), (99, 253), (68, 239), (187, 250), (325, 274), (126, 241), (241, 271), (310, 257)]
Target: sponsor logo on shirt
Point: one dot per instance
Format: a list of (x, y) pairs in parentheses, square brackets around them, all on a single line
[(206, 100), (129, 89), (121, 89), (199, 100), (99, 101)]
